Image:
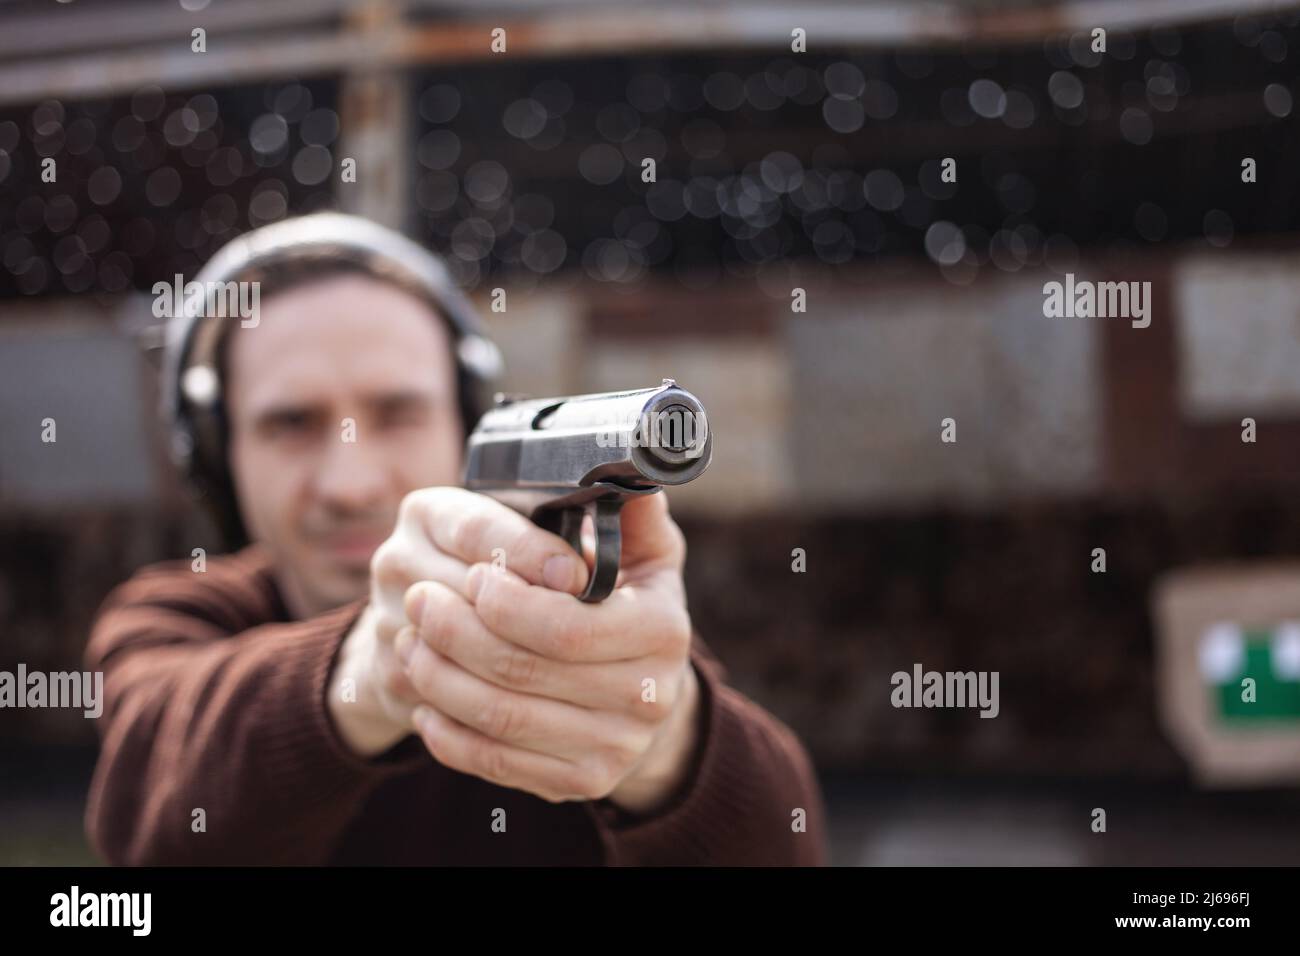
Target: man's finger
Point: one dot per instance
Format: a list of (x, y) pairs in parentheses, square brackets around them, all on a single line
[(407, 557), (650, 536), (476, 528), (461, 748), (632, 622), (451, 626), (521, 720)]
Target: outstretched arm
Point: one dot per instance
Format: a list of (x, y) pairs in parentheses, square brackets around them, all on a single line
[(217, 746)]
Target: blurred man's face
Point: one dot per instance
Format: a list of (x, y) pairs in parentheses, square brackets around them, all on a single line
[(341, 400)]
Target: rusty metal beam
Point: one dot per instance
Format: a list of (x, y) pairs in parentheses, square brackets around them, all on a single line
[(374, 106), (594, 30), (130, 23), (830, 27), (175, 67)]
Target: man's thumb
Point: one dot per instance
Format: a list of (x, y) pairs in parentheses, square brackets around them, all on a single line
[(649, 532)]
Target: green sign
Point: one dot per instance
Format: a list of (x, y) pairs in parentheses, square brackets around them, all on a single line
[(1265, 658)]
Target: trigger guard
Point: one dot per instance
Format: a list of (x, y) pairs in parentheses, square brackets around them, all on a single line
[(609, 543)]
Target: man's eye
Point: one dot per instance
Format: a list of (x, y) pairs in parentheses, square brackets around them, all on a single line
[(404, 414), (290, 424)]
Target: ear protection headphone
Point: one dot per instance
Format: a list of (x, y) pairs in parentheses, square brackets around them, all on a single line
[(192, 403)]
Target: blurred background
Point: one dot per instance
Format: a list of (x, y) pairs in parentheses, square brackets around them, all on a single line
[(776, 170)]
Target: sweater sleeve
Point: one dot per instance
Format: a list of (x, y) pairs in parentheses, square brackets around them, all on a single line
[(217, 747), (751, 797)]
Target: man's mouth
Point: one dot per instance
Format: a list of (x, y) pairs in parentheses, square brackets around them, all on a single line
[(355, 547)]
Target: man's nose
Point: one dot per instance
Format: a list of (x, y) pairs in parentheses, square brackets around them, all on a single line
[(352, 476)]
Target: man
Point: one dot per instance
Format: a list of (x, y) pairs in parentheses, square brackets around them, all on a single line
[(361, 682)]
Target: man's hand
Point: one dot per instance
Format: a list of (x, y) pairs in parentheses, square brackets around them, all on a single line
[(516, 681), (434, 526)]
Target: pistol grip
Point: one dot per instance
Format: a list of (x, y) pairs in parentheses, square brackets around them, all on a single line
[(567, 523)]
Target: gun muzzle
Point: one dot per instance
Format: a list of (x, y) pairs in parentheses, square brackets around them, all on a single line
[(558, 459)]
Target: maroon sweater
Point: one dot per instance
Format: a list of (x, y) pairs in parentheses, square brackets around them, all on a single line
[(215, 700)]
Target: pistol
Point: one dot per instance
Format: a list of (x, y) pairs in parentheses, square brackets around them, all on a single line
[(555, 460)]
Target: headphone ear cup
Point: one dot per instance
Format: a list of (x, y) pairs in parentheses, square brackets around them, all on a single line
[(470, 390), (209, 472)]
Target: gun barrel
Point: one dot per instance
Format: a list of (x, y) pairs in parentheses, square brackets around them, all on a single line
[(567, 450)]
